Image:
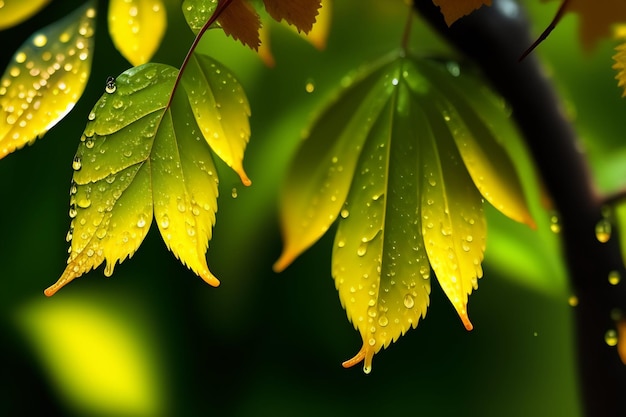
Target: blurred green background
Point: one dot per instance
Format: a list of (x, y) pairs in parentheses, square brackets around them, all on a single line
[(155, 340)]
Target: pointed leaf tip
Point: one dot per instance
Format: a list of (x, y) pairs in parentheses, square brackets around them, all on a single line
[(366, 354)]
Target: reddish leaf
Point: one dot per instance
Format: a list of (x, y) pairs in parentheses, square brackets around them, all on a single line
[(242, 22), (453, 10), (302, 14)]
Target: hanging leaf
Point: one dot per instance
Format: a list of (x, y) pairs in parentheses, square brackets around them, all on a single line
[(453, 10), (137, 28), (143, 156), (406, 142), (301, 14), (238, 19), (318, 181), (45, 78), (14, 12)]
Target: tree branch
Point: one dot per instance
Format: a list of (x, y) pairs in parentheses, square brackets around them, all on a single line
[(494, 38)]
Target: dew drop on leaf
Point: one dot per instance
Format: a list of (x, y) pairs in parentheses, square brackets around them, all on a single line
[(408, 301), (77, 164), (603, 230), (110, 86), (555, 224), (572, 301)]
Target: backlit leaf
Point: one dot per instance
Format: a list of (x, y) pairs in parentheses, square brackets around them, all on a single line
[(453, 10), (143, 156), (45, 78), (620, 66), (301, 14), (405, 139), (14, 12), (319, 178), (221, 111), (137, 28)]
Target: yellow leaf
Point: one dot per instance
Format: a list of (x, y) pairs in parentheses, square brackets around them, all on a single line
[(14, 12), (137, 27), (301, 13), (100, 358), (453, 10), (45, 78), (620, 65)]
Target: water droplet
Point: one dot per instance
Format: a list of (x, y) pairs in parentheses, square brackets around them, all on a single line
[(610, 337), (409, 302), (309, 87), (372, 341), (603, 230), (92, 115), (341, 243), (383, 321), (77, 164), (344, 213), (40, 40), (101, 233), (83, 203), (73, 212), (614, 277), (165, 221), (362, 249), (110, 86), (572, 301), (555, 225), (233, 193), (141, 222)]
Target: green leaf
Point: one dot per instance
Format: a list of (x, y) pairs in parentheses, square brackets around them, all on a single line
[(14, 12), (405, 150), (137, 28), (143, 155), (237, 18), (198, 12), (222, 111), (45, 78), (319, 178)]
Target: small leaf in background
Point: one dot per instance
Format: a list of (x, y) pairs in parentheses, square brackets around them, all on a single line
[(596, 20), (301, 14), (14, 12), (137, 28), (453, 10), (409, 141), (101, 357), (45, 78), (142, 156)]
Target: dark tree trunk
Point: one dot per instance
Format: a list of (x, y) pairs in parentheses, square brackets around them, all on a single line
[(494, 38)]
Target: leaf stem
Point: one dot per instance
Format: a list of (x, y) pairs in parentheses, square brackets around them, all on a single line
[(221, 6)]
